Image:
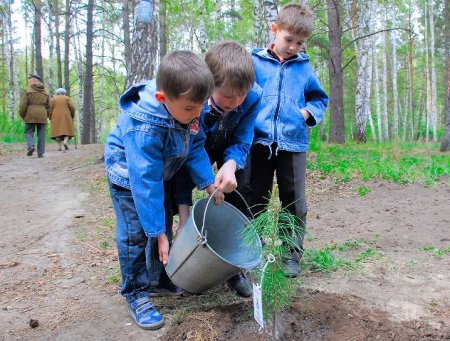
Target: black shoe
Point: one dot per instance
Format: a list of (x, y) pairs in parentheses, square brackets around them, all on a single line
[(169, 289), (291, 267), (66, 147), (40, 156), (240, 286), (30, 151)]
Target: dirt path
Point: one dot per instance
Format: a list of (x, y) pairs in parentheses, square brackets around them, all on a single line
[(47, 273), (53, 269)]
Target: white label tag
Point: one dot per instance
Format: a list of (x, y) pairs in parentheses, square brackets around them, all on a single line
[(257, 305)]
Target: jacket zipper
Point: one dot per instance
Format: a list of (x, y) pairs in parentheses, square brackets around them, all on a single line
[(275, 118)]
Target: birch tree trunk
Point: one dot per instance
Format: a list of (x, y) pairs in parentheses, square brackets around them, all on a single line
[(337, 130), (10, 62), (258, 26), (362, 89), (58, 42), (144, 48), (385, 85), (428, 82), (394, 79), (270, 15), (445, 142), (201, 33), (377, 95), (67, 25), (434, 115), (411, 73)]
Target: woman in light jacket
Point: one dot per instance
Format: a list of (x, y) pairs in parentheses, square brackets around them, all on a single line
[(62, 113)]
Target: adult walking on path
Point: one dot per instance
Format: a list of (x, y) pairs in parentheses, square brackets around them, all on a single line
[(62, 113), (34, 108)]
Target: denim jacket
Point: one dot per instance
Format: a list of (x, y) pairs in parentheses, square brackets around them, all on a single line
[(287, 88), (147, 147), (232, 135)]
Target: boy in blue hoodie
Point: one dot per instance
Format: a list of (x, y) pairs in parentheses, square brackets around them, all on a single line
[(157, 131), (293, 101)]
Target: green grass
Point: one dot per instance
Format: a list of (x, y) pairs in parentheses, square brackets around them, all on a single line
[(347, 255), (406, 163), (437, 252)]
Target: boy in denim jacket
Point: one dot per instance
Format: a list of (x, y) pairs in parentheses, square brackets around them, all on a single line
[(293, 101), (228, 121), (156, 132)]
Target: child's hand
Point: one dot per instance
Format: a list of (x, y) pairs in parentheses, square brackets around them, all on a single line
[(305, 113), (219, 197), (225, 178), (163, 248)]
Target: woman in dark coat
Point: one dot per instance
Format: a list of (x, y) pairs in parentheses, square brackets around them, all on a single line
[(62, 113)]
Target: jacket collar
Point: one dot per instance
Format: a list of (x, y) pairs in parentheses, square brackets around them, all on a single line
[(263, 53)]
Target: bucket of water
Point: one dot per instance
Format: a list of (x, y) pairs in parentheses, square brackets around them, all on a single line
[(210, 248)]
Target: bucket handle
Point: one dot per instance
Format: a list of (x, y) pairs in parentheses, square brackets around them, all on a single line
[(209, 200)]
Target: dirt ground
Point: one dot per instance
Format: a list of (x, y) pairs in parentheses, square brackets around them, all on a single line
[(58, 262)]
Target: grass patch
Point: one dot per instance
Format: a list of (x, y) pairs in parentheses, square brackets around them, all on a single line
[(407, 163), (347, 255), (437, 252)]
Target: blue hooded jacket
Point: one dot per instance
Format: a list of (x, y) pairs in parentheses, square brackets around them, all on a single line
[(232, 135), (147, 147), (287, 88)]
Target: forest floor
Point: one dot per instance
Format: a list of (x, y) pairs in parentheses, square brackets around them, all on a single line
[(58, 262)]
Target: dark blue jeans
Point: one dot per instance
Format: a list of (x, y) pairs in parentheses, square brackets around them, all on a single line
[(131, 243), (29, 134)]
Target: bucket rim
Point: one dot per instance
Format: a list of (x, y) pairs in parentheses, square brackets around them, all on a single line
[(249, 265)]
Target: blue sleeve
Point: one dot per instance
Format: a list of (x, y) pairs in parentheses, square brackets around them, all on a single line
[(241, 139), (198, 163), (145, 169), (316, 100)]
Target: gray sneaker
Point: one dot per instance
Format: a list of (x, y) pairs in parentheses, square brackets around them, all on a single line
[(291, 267)]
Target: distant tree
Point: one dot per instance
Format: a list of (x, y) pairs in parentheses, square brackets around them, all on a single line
[(38, 37), (89, 133), (67, 25), (445, 142)]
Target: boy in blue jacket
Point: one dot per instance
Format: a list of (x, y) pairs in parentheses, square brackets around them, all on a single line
[(156, 132), (293, 101), (228, 121)]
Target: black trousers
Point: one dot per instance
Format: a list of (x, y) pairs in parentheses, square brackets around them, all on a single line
[(290, 171)]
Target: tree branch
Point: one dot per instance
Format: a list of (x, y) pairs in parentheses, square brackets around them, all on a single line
[(374, 33)]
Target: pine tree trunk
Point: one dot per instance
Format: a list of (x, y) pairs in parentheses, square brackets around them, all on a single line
[(88, 132), (336, 105), (126, 34), (38, 37), (51, 47)]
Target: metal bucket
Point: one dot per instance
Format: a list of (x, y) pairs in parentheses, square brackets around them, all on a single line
[(209, 249)]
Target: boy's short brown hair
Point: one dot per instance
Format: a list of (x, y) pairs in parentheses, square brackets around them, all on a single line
[(231, 66), (183, 73), (296, 19)]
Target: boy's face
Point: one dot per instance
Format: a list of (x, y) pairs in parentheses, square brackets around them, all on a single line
[(287, 44), (182, 109), (226, 100)]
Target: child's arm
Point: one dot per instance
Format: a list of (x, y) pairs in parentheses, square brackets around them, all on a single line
[(316, 102), (163, 248)]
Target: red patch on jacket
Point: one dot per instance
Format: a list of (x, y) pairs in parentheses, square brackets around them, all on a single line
[(193, 128)]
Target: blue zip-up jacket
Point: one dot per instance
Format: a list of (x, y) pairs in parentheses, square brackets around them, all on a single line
[(232, 135), (147, 147), (287, 88)]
